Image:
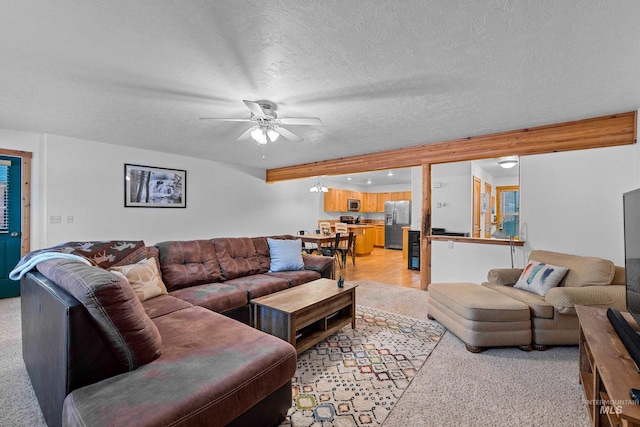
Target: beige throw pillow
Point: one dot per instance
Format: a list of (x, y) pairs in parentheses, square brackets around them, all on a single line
[(144, 278)]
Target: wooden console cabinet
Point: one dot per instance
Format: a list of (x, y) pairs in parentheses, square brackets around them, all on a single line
[(607, 372)]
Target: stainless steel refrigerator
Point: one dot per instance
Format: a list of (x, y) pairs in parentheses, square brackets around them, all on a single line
[(396, 215)]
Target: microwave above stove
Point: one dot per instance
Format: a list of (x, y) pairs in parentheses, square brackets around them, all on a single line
[(353, 205)]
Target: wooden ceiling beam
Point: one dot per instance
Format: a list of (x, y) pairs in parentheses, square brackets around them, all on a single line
[(598, 132)]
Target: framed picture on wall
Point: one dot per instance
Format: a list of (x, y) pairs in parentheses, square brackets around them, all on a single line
[(153, 187)]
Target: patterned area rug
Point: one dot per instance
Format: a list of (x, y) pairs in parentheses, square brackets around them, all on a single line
[(355, 377)]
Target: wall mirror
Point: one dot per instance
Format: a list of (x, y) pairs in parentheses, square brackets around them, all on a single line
[(476, 198)]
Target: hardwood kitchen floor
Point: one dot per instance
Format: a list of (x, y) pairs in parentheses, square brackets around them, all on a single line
[(383, 265)]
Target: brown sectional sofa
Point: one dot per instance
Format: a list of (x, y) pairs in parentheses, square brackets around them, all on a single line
[(96, 355)]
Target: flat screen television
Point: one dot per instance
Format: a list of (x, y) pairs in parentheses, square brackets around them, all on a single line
[(632, 251), (628, 336)]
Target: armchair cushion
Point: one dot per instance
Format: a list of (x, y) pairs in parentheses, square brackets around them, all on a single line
[(583, 270), (537, 304), (565, 299), (539, 277), (504, 276)]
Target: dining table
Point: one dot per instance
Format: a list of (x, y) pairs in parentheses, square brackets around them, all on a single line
[(321, 239)]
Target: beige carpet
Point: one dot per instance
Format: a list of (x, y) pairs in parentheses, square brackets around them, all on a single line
[(499, 387)]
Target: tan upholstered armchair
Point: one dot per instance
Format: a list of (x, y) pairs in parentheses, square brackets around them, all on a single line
[(590, 281)]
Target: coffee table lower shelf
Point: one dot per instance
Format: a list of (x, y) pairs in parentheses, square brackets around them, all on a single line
[(304, 317)]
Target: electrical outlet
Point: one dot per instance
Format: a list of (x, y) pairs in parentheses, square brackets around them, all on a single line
[(450, 244), (69, 219), (55, 219)]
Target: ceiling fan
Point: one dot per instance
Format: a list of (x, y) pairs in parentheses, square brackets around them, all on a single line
[(267, 125)]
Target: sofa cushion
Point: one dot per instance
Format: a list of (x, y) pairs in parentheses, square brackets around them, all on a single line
[(296, 278), (143, 277), (113, 305), (218, 297), (538, 306), (188, 263), (207, 377), (262, 250), (107, 253), (258, 285), (237, 257), (583, 270), (538, 277), (164, 304), (322, 264), (286, 255)]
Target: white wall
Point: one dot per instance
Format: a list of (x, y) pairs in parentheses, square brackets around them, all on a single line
[(85, 179), (454, 197), (570, 202)]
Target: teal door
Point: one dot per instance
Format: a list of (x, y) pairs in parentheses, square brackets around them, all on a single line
[(10, 223)]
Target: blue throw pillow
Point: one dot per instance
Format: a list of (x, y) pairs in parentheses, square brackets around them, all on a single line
[(286, 255)]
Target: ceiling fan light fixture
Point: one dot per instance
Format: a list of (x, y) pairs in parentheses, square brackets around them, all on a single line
[(259, 135), (272, 134), (507, 162)]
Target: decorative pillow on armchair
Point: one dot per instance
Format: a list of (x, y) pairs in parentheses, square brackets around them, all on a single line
[(538, 277)]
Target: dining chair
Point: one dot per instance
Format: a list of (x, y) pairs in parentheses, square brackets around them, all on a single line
[(348, 249), (341, 228), (332, 250), (308, 247), (325, 227)]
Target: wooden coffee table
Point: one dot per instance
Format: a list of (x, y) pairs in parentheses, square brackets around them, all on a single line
[(306, 314)]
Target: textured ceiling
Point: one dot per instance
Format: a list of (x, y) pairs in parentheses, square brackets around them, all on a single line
[(380, 75)]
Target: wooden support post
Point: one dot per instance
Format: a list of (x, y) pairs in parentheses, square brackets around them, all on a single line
[(425, 229)]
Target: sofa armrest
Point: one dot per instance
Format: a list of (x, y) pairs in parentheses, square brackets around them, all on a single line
[(504, 276), (322, 264), (565, 299)]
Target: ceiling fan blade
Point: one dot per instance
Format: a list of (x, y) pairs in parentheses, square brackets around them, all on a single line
[(300, 120), (225, 120), (246, 134), (287, 134), (255, 108)]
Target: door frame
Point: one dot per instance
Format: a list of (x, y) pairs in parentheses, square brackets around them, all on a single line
[(25, 156)]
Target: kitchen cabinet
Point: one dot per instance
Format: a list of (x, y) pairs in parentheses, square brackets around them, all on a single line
[(336, 200), (369, 202), (379, 235)]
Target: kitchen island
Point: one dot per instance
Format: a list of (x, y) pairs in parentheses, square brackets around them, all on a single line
[(365, 236)]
